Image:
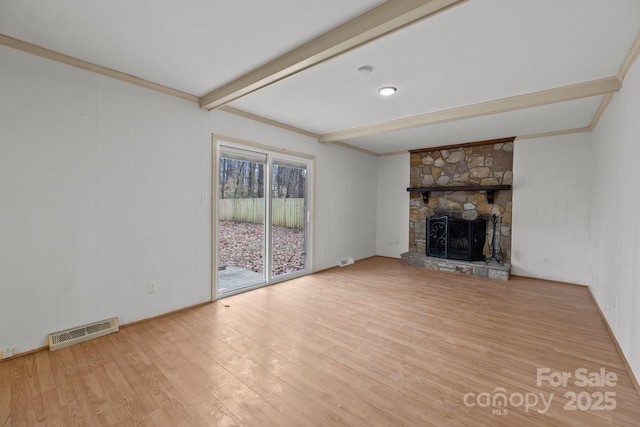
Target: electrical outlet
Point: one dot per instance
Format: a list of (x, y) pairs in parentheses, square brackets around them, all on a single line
[(7, 352), (152, 286)]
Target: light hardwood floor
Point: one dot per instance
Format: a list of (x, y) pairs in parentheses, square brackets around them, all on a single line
[(372, 344)]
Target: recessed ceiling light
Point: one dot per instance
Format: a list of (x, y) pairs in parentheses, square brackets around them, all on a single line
[(364, 70), (387, 90)]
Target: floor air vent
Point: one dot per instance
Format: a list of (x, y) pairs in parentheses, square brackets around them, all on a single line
[(88, 332), (345, 261)]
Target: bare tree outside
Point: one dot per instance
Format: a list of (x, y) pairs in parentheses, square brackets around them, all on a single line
[(240, 179)]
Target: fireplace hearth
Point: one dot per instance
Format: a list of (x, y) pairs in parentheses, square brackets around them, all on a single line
[(458, 239)]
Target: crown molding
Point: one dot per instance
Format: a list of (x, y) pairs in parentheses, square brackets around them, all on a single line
[(393, 153), (534, 99), (628, 62), (89, 66), (355, 148), (257, 118), (284, 126), (603, 105), (630, 59), (552, 133), (384, 19)]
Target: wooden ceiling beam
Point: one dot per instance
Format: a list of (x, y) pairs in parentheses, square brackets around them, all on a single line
[(529, 100), (384, 19)]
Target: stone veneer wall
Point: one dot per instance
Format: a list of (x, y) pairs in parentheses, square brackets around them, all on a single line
[(487, 164)]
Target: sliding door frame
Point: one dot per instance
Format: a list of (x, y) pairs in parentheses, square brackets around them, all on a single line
[(273, 153)]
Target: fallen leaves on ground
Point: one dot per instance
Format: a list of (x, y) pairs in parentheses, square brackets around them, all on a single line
[(241, 244)]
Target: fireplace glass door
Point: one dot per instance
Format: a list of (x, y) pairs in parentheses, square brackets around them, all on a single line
[(457, 239)]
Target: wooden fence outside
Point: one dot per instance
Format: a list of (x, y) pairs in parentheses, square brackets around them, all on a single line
[(285, 212)]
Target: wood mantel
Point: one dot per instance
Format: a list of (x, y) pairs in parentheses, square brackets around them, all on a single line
[(489, 189), (464, 145)]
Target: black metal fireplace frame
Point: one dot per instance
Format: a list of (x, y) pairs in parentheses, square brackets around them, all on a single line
[(458, 239)]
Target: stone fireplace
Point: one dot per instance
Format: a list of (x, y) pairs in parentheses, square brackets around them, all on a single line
[(465, 182)]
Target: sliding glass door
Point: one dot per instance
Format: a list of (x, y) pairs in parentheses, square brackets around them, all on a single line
[(262, 221), (241, 219), (288, 218)]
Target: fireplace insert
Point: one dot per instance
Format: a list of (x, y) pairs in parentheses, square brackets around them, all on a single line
[(458, 239)]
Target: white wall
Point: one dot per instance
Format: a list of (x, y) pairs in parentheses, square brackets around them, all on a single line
[(393, 206), (614, 248), (345, 205), (551, 207), (100, 192), (591, 182)]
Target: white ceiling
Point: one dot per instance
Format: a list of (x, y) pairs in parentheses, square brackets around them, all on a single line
[(472, 53)]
